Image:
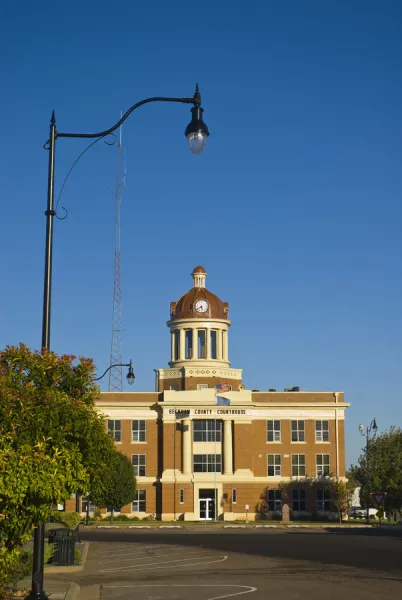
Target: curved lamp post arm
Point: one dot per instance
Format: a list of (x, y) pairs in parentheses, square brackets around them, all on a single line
[(196, 100), (130, 374)]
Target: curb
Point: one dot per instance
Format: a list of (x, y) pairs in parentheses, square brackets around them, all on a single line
[(50, 569), (73, 591), (89, 592), (240, 526)]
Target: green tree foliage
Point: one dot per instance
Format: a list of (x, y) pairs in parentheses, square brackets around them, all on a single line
[(385, 469), (53, 442), (118, 485), (68, 519)]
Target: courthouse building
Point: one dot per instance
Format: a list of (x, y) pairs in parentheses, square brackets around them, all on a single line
[(204, 446)]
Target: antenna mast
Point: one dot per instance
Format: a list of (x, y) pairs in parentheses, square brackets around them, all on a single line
[(116, 350)]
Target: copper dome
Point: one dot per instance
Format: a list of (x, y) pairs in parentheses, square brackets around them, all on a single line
[(199, 269), (185, 307)]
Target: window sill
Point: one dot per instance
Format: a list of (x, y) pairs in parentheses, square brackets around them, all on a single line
[(280, 442), (138, 442), (318, 442), (298, 442)]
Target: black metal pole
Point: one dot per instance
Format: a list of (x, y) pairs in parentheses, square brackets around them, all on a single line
[(77, 510), (37, 592), (87, 513), (368, 477)]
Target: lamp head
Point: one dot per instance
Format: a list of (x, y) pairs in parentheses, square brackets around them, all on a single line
[(361, 428), (374, 425), (130, 374), (196, 131)]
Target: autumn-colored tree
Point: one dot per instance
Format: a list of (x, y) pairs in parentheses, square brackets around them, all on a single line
[(53, 442)]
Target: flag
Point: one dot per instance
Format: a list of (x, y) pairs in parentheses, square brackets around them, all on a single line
[(219, 388), (223, 387), (221, 401)]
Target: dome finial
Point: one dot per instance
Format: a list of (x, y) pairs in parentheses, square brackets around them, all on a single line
[(199, 277)]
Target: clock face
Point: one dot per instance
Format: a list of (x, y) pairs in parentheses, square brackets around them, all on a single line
[(201, 306)]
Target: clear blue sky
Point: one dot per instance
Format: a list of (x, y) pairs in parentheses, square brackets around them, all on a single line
[(294, 209)]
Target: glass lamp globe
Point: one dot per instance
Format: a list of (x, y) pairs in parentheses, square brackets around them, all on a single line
[(197, 141), (130, 375)]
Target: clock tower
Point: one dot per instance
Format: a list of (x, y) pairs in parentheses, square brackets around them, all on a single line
[(199, 326)]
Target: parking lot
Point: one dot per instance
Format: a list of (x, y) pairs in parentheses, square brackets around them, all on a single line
[(197, 565)]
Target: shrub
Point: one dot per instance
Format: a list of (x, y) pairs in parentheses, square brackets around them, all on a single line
[(70, 520), (77, 556), (22, 566), (135, 518), (122, 518)]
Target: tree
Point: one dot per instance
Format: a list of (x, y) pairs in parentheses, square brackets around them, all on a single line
[(339, 496), (53, 443), (384, 473), (118, 485)]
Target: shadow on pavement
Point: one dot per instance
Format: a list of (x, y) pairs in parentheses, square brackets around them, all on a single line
[(371, 549)]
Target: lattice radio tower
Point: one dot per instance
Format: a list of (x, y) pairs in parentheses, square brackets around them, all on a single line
[(116, 350)]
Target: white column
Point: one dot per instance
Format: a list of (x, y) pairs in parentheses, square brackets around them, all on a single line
[(227, 447), (208, 344), (219, 344), (225, 345), (172, 335), (195, 343), (182, 344), (186, 428)]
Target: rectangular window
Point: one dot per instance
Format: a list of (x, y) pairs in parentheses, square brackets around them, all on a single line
[(298, 431), (274, 500), (214, 343), (174, 388), (208, 430), (139, 464), (140, 502), (298, 465), (201, 343), (176, 343), (274, 465), (207, 463), (299, 500), (138, 431), (114, 430), (181, 496), (189, 343), (273, 431), (322, 431), (323, 500), (202, 386), (234, 495), (322, 465)]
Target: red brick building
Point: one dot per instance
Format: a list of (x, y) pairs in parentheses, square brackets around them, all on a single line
[(198, 457)]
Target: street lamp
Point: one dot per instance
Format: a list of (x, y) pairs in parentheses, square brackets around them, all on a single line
[(130, 374), (366, 433), (196, 133)]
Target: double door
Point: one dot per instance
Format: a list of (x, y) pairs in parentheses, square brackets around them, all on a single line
[(207, 509)]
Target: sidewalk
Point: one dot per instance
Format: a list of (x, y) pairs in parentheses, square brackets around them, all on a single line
[(55, 588)]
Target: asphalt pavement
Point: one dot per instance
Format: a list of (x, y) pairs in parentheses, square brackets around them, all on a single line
[(125, 564)]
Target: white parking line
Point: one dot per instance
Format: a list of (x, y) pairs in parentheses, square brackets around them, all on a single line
[(248, 589), (147, 557), (116, 552), (154, 565)]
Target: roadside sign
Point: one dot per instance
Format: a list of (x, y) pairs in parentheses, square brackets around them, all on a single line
[(379, 497), (247, 506)]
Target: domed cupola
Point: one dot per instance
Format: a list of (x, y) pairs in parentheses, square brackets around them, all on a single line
[(199, 326)]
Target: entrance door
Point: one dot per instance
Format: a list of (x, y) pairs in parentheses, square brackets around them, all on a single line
[(207, 505)]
